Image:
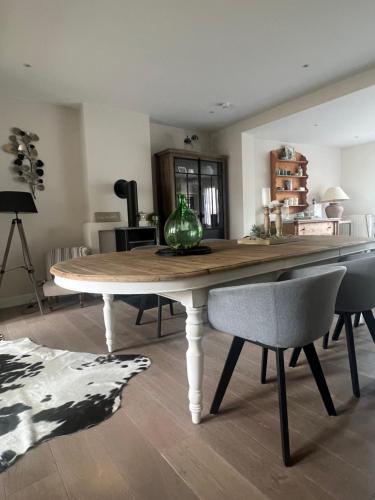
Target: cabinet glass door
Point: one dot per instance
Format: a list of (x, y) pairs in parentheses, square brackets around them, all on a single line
[(187, 181), (212, 197)]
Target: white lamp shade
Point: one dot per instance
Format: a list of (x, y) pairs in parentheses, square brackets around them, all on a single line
[(335, 194)]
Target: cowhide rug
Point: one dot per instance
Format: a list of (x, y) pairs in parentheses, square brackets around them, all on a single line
[(46, 393)]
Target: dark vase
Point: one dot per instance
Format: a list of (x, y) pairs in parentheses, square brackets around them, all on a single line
[(183, 228)]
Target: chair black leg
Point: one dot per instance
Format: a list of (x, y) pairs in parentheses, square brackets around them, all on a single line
[(171, 311), (351, 354), (325, 340), (139, 315), (320, 380), (230, 364), (370, 322), (283, 407), (160, 313), (339, 326), (263, 373), (141, 309), (294, 357), (357, 317)]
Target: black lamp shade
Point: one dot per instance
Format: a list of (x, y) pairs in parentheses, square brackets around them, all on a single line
[(17, 202)]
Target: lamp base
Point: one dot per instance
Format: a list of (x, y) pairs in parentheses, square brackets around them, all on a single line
[(334, 210)]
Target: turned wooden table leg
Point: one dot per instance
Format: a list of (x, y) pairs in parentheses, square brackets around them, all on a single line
[(194, 359), (109, 321)]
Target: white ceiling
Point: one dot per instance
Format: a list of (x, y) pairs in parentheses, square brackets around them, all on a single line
[(343, 122), (174, 59)]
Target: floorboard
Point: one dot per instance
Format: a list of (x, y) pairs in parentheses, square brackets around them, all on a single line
[(150, 450)]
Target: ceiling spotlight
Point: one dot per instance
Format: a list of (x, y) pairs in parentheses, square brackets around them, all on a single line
[(224, 105), (356, 137), (316, 124), (305, 65), (27, 65), (211, 111)]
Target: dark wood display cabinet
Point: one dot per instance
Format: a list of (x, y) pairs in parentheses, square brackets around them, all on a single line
[(202, 178)]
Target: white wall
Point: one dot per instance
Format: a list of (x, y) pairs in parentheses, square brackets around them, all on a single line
[(165, 137), (230, 143), (358, 178), (62, 207), (85, 151), (117, 146), (233, 140), (324, 169)]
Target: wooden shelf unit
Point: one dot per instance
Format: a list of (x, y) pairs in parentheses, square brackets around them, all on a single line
[(298, 181)]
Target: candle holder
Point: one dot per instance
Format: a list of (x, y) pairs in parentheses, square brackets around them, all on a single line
[(278, 220), (267, 221)]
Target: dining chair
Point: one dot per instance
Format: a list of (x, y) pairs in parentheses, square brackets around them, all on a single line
[(277, 316), (51, 291), (356, 295), (357, 316), (144, 302)]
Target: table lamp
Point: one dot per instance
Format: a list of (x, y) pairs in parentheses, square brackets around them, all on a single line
[(334, 195)]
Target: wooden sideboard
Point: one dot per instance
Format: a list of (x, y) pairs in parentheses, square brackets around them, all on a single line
[(308, 227)]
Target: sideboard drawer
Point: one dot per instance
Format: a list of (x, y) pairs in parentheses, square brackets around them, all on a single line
[(316, 228)]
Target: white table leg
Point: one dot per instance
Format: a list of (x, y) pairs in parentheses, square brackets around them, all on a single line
[(109, 320), (194, 359)]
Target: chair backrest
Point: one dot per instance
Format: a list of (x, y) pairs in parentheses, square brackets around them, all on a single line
[(147, 247), (357, 290), (289, 313), (56, 255), (207, 241)]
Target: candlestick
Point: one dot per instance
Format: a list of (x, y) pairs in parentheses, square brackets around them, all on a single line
[(266, 197), (267, 222), (278, 221)]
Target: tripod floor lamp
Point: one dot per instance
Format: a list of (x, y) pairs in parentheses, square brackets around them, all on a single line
[(16, 202)]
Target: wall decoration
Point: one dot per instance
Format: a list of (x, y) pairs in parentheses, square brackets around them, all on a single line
[(27, 167)]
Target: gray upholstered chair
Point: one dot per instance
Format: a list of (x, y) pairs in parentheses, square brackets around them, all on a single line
[(148, 301), (277, 316), (356, 295), (357, 316)]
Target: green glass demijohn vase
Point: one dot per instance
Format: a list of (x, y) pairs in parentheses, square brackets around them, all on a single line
[(183, 229)]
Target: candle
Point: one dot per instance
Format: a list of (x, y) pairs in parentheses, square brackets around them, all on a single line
[(266, 197)]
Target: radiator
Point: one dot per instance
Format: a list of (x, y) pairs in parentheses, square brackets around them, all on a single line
[(362, 226)]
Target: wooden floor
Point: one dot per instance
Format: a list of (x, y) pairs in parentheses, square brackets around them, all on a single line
[(150, 450)]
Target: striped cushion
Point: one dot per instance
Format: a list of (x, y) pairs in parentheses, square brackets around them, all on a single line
[(60, 254)]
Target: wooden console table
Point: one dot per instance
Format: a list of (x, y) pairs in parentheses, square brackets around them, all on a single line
[(188, 280), (313, 227)]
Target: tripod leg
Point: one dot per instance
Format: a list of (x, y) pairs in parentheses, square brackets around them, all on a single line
[(28, 263), (6, 253)]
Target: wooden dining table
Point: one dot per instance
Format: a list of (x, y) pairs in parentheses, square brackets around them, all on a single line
[(188, 280)]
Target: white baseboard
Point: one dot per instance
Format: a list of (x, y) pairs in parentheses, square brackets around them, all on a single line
[(16, 300)]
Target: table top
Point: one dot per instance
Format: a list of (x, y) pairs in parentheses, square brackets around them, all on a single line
[(146, 266)]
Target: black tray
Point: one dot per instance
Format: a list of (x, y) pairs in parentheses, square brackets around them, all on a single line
[(172, 252)]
